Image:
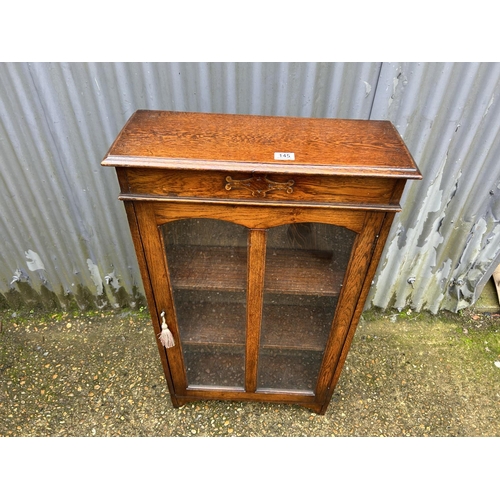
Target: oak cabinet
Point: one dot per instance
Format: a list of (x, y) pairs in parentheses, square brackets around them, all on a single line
[(257, 238)]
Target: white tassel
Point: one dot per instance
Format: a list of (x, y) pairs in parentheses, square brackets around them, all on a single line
[(166, 337)]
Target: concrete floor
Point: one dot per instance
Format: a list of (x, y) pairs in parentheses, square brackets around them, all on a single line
[(407, 374)]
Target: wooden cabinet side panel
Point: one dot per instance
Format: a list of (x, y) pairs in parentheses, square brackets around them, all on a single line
[(150, 297), (397, 192), (383, 234), (348, 300), (123, 180)]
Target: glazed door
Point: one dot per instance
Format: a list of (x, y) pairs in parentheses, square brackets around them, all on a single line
[(256, 297)]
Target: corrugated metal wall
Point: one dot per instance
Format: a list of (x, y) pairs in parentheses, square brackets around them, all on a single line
[(65, 238), (448, 236)]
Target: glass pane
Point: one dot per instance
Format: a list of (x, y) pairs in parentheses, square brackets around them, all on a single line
[(207, 261), (305, 267)]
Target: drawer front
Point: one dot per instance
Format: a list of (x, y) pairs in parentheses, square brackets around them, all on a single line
[(262, 187)]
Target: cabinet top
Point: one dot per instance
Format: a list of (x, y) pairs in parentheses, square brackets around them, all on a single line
[(209, 141)]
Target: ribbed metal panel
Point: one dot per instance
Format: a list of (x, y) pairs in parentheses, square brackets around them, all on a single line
[(61, 205), (64, 234), (447, 238)]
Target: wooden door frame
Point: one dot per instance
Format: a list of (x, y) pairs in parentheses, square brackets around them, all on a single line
[(148, 216)]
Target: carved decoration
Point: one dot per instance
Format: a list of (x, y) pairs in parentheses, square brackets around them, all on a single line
[(259, 185)]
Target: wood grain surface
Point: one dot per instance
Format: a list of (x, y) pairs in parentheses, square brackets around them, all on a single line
[(243, 142)]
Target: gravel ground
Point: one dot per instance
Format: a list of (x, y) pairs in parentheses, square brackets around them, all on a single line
[(99, 374)]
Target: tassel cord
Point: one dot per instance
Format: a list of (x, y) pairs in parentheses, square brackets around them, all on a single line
[(166, 337)]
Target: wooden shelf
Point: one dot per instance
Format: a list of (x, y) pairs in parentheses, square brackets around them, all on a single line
[(285, 327), (295, 327), (224, 268), (305, 272), (208, 323), (208, 268)]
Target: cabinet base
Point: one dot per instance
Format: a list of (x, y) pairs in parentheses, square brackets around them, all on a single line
[(288, 399)]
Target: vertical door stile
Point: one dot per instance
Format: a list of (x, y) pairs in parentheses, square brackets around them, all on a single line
[(131, 211), (377, 253), (354, 279), (255, 277), (158, 271)]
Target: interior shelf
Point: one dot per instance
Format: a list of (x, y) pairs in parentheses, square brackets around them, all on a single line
[(301, 272), (225, 268), (212, 323), (288, 327), (208, 267), (295, 327)]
